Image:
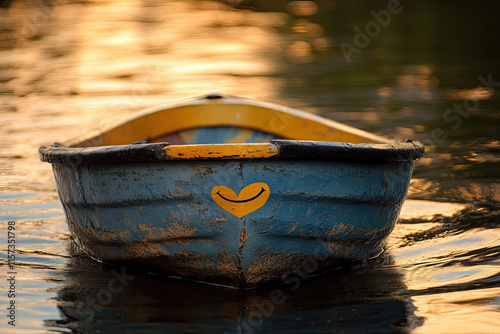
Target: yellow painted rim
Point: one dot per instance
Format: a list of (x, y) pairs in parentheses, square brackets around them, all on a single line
[(220, 151)]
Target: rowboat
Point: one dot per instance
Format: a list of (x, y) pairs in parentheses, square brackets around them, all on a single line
[(231, 191)]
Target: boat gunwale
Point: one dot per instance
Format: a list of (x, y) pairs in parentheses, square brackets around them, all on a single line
[(275, 149), (92, 148)]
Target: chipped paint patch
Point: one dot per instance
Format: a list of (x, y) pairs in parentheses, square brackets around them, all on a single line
[(108, 235), (228, 266), (143, 249), (216, 220), (183, 230), (243, 238), (341, 228), (269, 267), (145, 227), (200, 172)]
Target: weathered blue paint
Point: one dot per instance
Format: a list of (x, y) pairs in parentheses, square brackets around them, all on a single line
[(161, 213), (215, 214)]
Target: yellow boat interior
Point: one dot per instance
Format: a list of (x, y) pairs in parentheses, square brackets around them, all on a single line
[(221, 127)]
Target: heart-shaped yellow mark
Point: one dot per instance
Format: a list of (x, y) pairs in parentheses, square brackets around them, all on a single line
[(248, 200)]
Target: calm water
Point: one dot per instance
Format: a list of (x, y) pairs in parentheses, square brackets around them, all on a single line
[(429, 70)]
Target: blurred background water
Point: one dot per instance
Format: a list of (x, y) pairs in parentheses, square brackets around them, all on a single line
[(428, 70)]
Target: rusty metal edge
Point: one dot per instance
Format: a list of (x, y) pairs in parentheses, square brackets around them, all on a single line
[(397, 151), (289, 149)]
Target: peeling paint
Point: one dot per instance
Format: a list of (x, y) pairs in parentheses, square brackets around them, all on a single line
[(243, 238), (134, 203), (178, 231), (214, 221)]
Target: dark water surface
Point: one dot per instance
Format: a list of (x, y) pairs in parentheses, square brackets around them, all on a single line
[(429, 70)]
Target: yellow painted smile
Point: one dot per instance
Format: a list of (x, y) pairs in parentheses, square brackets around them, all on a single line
[(250, 198)]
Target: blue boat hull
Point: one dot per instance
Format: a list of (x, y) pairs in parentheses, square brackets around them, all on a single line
[(233, 191), (164, 215)]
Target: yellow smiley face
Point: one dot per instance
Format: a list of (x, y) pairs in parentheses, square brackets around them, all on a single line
[(250, 198)]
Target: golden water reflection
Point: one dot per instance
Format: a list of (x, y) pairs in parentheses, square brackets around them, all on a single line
[(74, 66), (304, 8), (164, 55), (458, 312)]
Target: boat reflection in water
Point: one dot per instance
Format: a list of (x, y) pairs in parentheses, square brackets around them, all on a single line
[(98, 298)]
